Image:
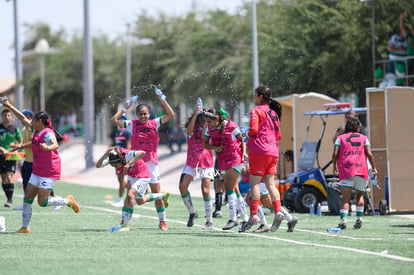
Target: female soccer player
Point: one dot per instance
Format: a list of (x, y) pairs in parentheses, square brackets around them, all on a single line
[(46, 167), (263, 144), (350, 159), (144, 136), (224, 137), (129, 162), (199, 160)]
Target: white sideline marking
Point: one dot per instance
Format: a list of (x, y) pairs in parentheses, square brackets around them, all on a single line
[(338, 235), (379, 254)]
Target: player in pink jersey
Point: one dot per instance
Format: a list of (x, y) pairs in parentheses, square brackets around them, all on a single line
[(144, 136), (224, 137), (199, 160), (349, 158), (130, 163), (263, 145), (46, 166)]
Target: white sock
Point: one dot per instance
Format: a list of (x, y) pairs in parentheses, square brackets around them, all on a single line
[(162, 215), (188, 202), (126, 216), (241, 207), (232, 199), (57, 201), (261, 215), (208, 207), (155, 196), (287, 215), (26, 214)]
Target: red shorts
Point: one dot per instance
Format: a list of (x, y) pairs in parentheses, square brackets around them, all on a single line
[(261, 165)]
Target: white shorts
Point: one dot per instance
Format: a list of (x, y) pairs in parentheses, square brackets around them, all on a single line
[(140, 185), (202, 173), (357, 183), (42, 182), (237, 168), (155, 172)]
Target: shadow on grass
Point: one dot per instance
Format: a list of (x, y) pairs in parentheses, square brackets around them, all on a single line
[(403, 225)]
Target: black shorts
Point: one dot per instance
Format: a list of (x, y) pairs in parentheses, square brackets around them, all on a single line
[(7, 165)]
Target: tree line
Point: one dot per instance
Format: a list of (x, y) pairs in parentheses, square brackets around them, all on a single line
[(304, 46)]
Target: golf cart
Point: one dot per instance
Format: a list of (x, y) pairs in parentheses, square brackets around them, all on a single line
[(311, 185)]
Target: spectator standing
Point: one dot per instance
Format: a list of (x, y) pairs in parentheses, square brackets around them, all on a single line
[(409, 40), (10, 137), (397, 48)]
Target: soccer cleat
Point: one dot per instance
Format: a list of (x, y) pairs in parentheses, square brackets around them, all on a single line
[(165, 196), (23, 230), (8, 204), (247, 225), (262, 228), (193, 216), (72, 203), (163, 226), (341, 226), (230, 224), (358, 224), (119, 228), (208, 226), (277, 221), (118, 203), (217, 214), (124, 228), (292, 224)]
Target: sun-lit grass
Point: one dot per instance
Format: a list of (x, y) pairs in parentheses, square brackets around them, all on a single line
[(63, 242)]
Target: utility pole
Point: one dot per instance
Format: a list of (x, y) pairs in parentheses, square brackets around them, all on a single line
[(88, 92)]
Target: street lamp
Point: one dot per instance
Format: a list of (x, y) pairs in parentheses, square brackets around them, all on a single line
[(42, 48)]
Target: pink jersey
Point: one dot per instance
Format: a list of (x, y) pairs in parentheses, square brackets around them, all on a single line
[(352, 160), (45, 163), (197, 155), (145, 137), (266, 141), (139, 170), (232, 151)]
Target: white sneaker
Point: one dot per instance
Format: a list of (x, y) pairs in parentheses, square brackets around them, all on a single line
[(118, 203), (57, 207), (266, 211)]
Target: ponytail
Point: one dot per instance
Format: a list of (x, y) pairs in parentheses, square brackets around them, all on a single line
[(275, 106)]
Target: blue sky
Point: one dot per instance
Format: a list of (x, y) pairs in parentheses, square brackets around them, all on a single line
[(106, 16)]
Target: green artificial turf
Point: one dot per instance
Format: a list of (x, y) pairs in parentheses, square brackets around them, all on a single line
[(63, 242)]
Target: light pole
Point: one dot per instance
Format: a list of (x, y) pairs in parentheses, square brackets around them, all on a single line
[(372, 37), (42, 48), (88, 91), (128, 64), (17, 63), (255, 50)]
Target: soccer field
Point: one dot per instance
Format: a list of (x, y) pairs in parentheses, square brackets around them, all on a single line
[(63, 242)]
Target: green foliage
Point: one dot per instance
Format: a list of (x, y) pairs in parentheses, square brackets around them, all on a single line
[(313, 45)]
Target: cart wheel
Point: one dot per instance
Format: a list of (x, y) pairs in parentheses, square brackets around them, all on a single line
[(383, 207)]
